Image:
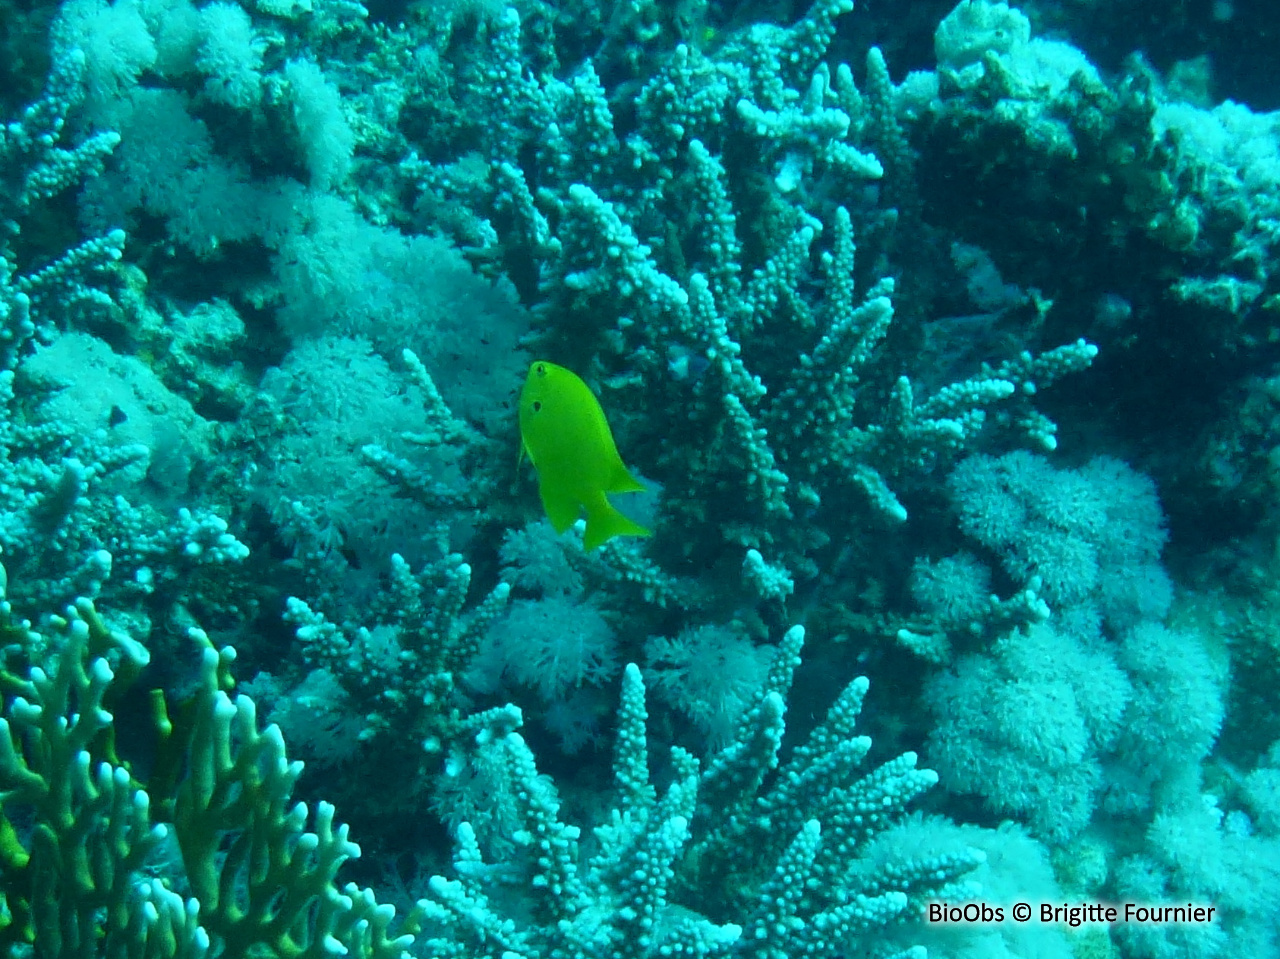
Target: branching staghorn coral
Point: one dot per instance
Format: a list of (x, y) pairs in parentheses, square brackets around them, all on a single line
[(65, 521), (743, 855), (402, 682), (208, 855), (694, 242)]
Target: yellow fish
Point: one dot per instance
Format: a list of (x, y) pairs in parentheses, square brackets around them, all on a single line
[(564, 433)]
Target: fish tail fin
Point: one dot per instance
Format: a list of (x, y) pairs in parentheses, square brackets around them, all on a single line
[(604, 522), (623, 482)]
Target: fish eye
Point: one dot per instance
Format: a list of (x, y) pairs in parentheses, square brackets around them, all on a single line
[(542, 370), (537, 407)]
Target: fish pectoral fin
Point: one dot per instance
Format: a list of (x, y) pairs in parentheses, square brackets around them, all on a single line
[(526, 454), (563, 511)]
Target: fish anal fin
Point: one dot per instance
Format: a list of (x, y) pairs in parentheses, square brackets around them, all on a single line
[(563, 511)]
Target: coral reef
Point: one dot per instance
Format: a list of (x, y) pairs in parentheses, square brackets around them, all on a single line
[(943, 336)]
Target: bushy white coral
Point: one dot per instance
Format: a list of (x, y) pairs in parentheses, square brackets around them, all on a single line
[(338, 395), (554, 645), (954, 590), (1172, 719), (534, 559), (1199, 854), (1026, 727), (710, 673), (1090, 537)]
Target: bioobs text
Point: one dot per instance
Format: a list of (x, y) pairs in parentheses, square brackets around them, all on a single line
[(965, 912)]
